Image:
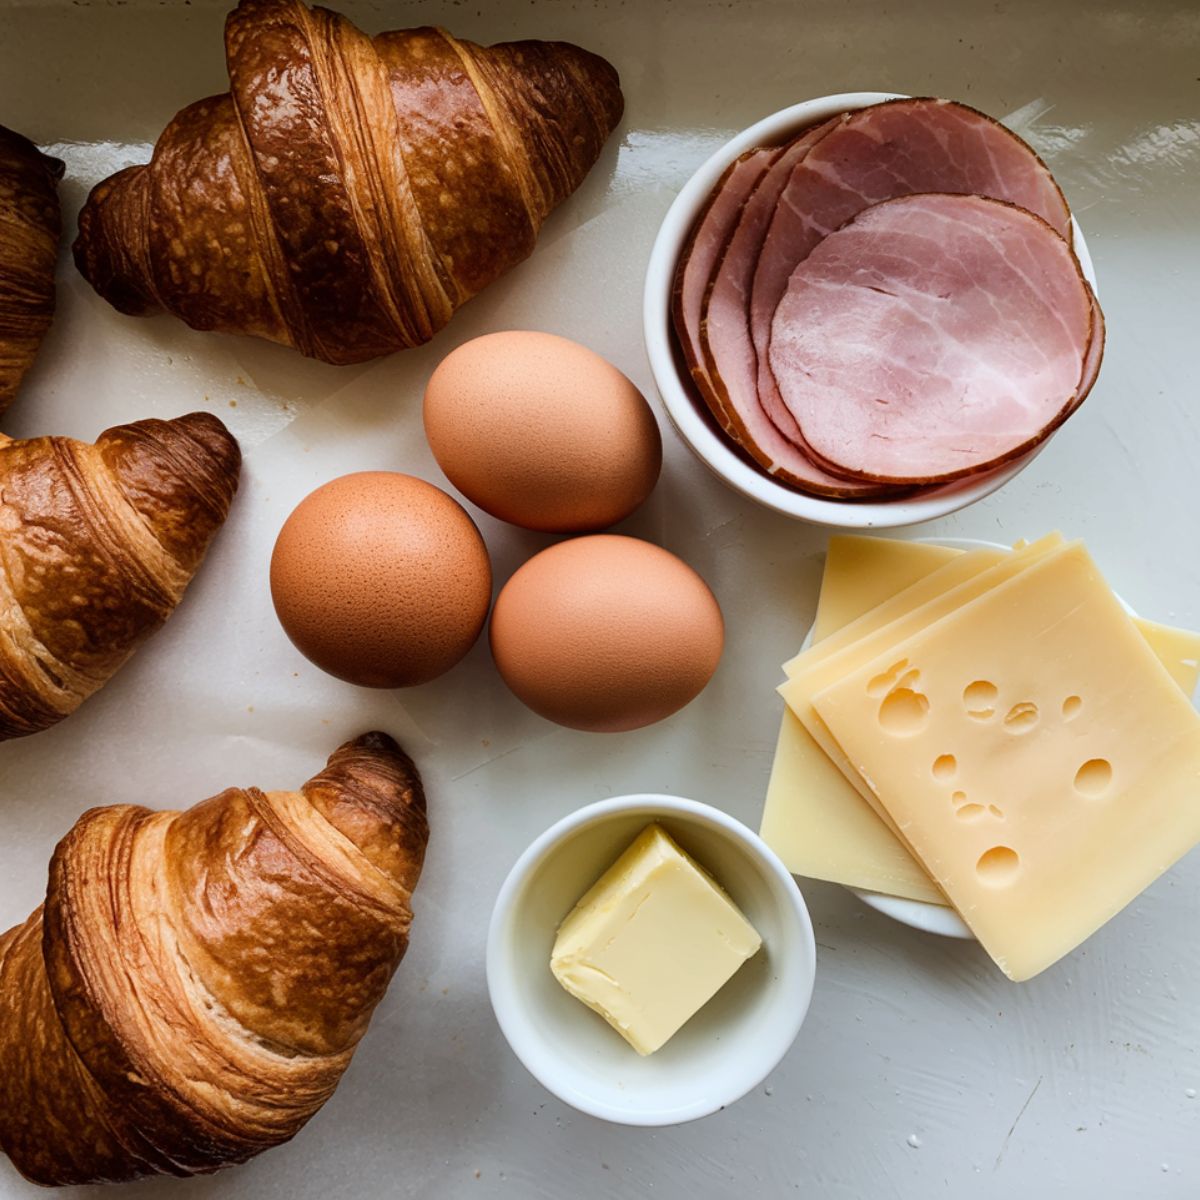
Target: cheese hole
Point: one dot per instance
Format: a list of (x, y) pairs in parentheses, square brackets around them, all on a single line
[(1094, 777), (1021, 718), (944, 767), (996, 812), (970, 812), (979, 699), (884, 682), (959, 798), (903, 712), (998, 867), (1071, 707)]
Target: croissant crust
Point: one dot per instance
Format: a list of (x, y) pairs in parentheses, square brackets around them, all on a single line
[(347, 193), (30, 228), (97, 544), (196, 983)]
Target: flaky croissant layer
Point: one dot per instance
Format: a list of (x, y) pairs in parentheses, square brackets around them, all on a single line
[(30, 227), (97, 544), (348, 193), (196, 983)]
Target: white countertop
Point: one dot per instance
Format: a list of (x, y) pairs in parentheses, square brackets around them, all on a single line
[(921, 1071)]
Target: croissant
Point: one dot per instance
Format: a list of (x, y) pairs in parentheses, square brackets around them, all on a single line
[(196, 983), (97, 544), (30, 226), (348, 193)]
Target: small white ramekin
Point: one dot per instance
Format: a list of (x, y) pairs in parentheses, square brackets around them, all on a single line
[(727, 1048), (687, 411)]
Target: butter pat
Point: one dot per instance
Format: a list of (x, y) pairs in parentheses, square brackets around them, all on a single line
[(652, 941)]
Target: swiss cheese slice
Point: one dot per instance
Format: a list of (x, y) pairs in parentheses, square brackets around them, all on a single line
[(821, 828), (1179, 650), (823, 665), (813, 817), (1041, 761), (812, 788), (943, 579), (862, 572)]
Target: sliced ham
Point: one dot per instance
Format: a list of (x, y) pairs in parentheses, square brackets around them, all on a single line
[(897, 148), (728, 353), (1095, 353), (933, 337), (699, 259)]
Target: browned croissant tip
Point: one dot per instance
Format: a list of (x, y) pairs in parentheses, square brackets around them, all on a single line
[(19, 143), (213, 436), (382, 753), (198, 444), (377, 743), (603, 76), (94, 255)]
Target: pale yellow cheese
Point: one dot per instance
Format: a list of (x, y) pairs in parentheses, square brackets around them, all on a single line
[(1040, 759), (651, 942), (943, 579), (1179, 650), (862, 572), (819, 667), (813, 817), (840, 803), (822, 828)]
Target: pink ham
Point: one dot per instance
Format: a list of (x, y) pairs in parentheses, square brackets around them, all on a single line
[(728, 352), (933, 337), (877, 153), (699, 259), (1095, 354)]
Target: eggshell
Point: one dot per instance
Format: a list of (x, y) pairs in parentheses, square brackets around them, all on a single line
[(542, 432), (381, 579), (606, 633)]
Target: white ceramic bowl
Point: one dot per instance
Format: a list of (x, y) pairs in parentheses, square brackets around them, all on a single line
[(687, 411), (727, 1048)]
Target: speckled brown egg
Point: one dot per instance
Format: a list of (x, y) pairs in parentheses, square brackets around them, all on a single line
[(381, 579), (606, 633), (542, 432)]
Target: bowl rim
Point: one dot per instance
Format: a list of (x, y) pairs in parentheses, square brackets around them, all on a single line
[(710, 446), (774, 1041)]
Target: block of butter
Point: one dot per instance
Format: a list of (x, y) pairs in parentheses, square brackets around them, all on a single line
[(651, 942)]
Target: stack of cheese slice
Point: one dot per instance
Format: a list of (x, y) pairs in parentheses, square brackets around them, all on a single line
[(989, 729)]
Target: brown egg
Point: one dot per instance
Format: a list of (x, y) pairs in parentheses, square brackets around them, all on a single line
[(381, 579), (542, 432), (606, 633)]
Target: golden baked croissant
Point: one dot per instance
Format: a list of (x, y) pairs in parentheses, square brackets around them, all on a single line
[(97, 543), (196, 983), (348, 193), (30, 226)]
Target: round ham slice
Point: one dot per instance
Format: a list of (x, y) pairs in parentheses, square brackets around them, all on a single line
[(772, 440), (1095, 353), (896, 148), (700, 256), (933, 337)]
